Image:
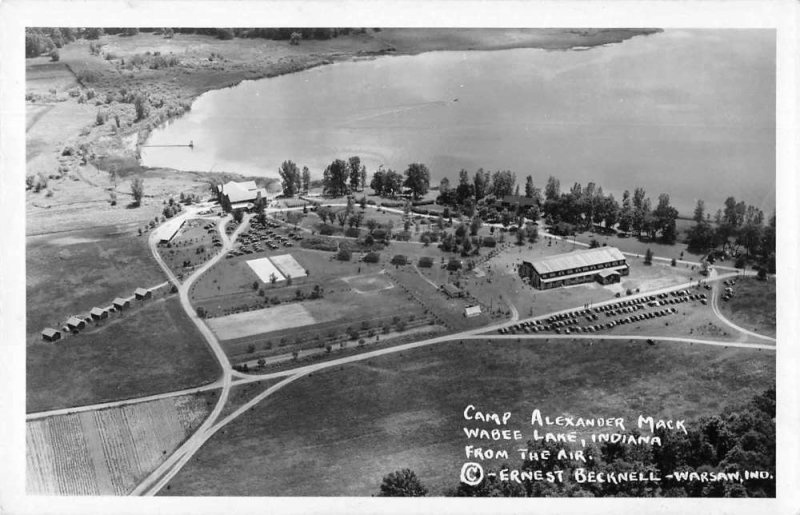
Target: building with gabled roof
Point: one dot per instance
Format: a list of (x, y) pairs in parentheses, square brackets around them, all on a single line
[(50, 335), (142, 294), (241, 195), (98, 313), (75, 324), (605, 265)]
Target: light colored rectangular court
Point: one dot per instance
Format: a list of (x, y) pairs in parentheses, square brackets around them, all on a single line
[(288, 266), (264, 268), (261, 321)]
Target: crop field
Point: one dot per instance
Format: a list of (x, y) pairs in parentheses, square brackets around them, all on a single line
[(152, 350), (107, 452), (263, 321), (340, 431)]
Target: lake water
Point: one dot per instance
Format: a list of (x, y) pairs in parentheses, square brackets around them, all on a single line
[(686, 112)]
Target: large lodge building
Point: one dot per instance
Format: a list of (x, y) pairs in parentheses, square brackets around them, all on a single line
[(604, 264)]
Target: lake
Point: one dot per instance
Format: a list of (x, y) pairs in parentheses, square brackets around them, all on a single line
[(686, 112)]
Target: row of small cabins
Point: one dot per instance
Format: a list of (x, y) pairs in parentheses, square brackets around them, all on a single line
[(75, 324)]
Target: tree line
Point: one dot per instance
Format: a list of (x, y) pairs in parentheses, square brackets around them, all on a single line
[(736, 226), (739, 439)]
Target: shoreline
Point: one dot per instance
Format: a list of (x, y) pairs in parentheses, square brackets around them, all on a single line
[(549, 42)]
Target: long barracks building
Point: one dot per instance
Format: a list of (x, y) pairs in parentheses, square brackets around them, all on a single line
[(604, 264)]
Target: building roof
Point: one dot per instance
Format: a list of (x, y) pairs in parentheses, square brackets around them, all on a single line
[(49, 331), (75, 321), (97, 311), (472, 310), (576, 275), (141, 291), (607, 272), (578, 259), (120, 301), (451, 288)]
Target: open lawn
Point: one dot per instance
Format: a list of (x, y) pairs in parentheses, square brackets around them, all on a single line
[(752, 306), (156, 349), (340, 431)]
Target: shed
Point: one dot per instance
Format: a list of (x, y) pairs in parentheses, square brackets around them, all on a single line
[(452, 290), (142, 294), (75, 324), (51, 335), (98, 313), (121, 303), (472, 311)]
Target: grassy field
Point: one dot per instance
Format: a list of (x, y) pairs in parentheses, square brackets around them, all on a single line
[(339, 432), (108, 452), (155, 350), (753, 306), (72, 272)]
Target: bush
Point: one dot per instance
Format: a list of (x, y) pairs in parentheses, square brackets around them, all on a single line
[(489, 241), (399, 259), (101, 117), (225, 34), (343, 255), (379, 234), (372, 257), (454, 264), (54, 55), (352, 232), (425, 262), (317, 243)]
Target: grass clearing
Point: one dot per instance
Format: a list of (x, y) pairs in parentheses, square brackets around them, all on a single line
[(66, 277), (108, 452), (155, 350), (753, 306), (340, 431)]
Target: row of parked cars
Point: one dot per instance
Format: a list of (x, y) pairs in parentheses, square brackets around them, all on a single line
[(568, 323)]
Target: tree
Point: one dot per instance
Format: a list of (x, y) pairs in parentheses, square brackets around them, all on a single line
[(371, 224), (529, 187), (238, 215), (480, 183), (699, 211), (363, 177), (54, 55), (141, 106), (648, 257), (418, 179), (474, 225), (137, 190), (665, 216), (334, 180), (700, 238), (305, 179), (273, 279), (354, 164), (552, 191), (402, 483), (290, 178), (503, 183), (295, 38)]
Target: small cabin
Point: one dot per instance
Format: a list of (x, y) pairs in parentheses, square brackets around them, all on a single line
[(121, 303), (51, 335), (472, 311), (142, 294), (98, 313), (75, 324)]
